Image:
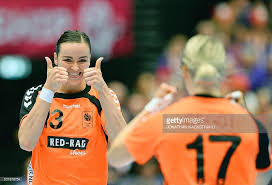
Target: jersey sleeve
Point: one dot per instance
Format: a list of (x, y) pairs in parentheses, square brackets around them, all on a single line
[(28, 101), (142, 141), (263, 160), (115, 99)]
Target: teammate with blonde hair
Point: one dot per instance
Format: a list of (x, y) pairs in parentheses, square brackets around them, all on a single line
[(197, 157)]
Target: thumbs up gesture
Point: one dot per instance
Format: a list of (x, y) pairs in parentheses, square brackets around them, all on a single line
[(93, 76), (56, 76), (164, 90)]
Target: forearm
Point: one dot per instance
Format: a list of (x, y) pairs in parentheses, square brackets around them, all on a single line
[(32, 126), (138, 118), (118, 155), (121, 137), (115, 121)]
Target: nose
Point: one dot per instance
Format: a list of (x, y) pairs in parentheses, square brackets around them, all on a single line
[(75, 66)]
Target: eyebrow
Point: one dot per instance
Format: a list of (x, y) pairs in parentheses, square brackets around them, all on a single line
[(67, 57), (72, 57)]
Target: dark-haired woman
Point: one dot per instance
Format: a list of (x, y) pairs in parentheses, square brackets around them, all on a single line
[(68, 121)]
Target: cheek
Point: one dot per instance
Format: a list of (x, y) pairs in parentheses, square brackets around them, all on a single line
[(85, 65), (62, 64)]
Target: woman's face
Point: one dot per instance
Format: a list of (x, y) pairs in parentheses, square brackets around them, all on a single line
[(75, 57)]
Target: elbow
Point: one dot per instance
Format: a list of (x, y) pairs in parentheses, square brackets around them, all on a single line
[(114, 161), (25, 147), (118, 161), (116, 165), (110, 156), (25, 144)]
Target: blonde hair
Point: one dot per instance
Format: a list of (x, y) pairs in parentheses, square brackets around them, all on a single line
[(204, 56)]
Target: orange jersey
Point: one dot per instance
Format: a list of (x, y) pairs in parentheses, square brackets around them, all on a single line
[(73, 145), (200, 158)]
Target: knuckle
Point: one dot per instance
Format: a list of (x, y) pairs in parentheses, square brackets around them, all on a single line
[(87, 70), (55, 70)]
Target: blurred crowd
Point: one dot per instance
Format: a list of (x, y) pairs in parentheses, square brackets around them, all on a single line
[(245, 30)]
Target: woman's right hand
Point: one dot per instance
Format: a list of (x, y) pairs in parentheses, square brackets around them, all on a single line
[(162, 98), (164, 90), (56, 76)]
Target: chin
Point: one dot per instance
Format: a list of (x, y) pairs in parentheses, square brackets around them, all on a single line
[(75, 83)]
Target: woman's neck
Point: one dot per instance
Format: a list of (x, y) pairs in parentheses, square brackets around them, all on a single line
[(71, 89), (215, 92)]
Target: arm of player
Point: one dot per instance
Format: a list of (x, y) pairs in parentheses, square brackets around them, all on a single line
[(32, 124), (118, 154), (115, 121)]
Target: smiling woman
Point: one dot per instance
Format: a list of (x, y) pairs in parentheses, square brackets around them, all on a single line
[(73, 54), (75, 58), (67, 122)]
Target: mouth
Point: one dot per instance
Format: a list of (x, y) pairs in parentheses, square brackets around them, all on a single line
[(74, 76)]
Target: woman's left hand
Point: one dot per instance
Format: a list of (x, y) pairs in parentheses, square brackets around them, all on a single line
[(93, 76)]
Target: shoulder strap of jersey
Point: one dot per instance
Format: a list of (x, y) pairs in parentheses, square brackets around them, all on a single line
[(263, 157), (29, 100), (95, 101)]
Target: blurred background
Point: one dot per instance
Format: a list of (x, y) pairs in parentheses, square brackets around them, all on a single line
[(141, 41)]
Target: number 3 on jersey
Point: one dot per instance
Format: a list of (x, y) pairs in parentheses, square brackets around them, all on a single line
[(58, 119), (198, 146)]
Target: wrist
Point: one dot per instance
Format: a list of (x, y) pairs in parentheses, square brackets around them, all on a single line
[(157, 103), (48, 87), (103, 89), (46, 95), (152, 104)]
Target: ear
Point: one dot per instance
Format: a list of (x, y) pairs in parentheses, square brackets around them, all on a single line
[(55, 58), (189, 86)]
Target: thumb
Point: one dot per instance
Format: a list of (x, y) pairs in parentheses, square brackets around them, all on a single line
[(169, 88), (49, 63), (98, 63)]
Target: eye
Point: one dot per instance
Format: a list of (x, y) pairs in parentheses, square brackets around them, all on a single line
[(67, 60), (83, 60)]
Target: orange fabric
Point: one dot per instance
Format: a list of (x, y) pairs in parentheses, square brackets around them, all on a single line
[(178, 162), (59, 157)]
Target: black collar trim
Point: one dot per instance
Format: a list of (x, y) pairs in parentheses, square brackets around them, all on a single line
[(73, 95), (206, 95)]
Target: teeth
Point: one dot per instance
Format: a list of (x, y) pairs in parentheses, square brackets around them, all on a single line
[(74, 74)]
